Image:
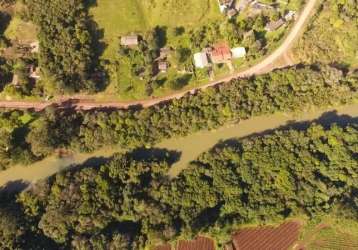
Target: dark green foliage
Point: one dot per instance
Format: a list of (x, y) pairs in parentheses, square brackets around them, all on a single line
[(131, 203), (100, 207), (271, 177), (13, 147), (67, 52), (5, 73), (286, 90)]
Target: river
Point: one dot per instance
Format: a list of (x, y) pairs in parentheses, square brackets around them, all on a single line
[(190, 147)]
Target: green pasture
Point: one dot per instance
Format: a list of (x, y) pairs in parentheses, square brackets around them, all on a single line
[(121, 17)]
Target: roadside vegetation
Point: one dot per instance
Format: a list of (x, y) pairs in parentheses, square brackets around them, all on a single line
[(182, 33), (290, 90), (332, 36), (82, 53), (130, 202)]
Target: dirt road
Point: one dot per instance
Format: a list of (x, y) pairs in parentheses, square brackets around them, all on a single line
[(266, 65)]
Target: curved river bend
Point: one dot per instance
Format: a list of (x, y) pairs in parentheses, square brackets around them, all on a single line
[(190, 147)]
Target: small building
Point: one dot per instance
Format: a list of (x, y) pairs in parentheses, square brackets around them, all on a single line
[(15, 80), (201, 60), (35, 47), (274, 25), (231, 13), (290, 15), (34, 72), (224, 5), (238, 52), (132, 40), (260, 6), (221, 53), (163, 66), (242, 4)]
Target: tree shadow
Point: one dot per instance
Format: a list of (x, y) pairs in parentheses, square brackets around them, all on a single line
[(14, 187), (326, 120), (161, 154), (100, 75), (160, 34), (5, 19)]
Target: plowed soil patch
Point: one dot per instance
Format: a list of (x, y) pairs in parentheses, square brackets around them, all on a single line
[(200, 243), (268, 238)]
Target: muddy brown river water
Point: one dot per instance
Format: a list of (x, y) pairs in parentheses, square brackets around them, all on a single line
[(191, 146)]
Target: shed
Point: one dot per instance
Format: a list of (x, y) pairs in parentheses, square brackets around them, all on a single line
[(290, 15), (225, 4), (163, 66), (35, 46), (272, 26), (35, 72), (201, 60), (15, 80), (238, 52), (221, 53), (231, 13), (129, 40)]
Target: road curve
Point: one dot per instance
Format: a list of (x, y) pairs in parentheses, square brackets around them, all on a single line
[(266, 65)]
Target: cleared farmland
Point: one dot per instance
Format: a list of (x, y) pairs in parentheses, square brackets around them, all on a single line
[(200, 243), (268, 238), (333, 239)]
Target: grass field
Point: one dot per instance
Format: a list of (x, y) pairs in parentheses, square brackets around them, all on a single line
[(331, 38), (18, 29), (121, 17)]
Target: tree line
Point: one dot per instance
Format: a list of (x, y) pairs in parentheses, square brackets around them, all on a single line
[(67, 55), (130, 203), (40, 134)]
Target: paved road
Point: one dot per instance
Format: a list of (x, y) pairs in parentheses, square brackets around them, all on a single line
[(266, 65)]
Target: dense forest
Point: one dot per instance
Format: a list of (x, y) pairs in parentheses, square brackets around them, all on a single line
[(67, 56), (130, 202), (30, 136)]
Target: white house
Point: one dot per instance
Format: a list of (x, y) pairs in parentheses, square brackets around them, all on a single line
[(238, 52), (201, 60), (224, 5)]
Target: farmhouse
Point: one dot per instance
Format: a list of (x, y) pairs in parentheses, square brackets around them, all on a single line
[(132, 40), (221, 53), (201, 60)]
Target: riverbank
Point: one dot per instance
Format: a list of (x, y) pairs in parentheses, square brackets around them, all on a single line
[(190, 147)]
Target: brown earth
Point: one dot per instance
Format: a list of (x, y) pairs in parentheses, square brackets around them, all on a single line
[(268, 237), (200, 243)]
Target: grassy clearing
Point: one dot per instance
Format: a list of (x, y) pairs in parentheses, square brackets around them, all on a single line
[(329, 232), (18, 29), (118, 18), (332, 36)]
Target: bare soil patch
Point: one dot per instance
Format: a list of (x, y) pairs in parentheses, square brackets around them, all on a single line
[(268, 237), (200, 243)]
